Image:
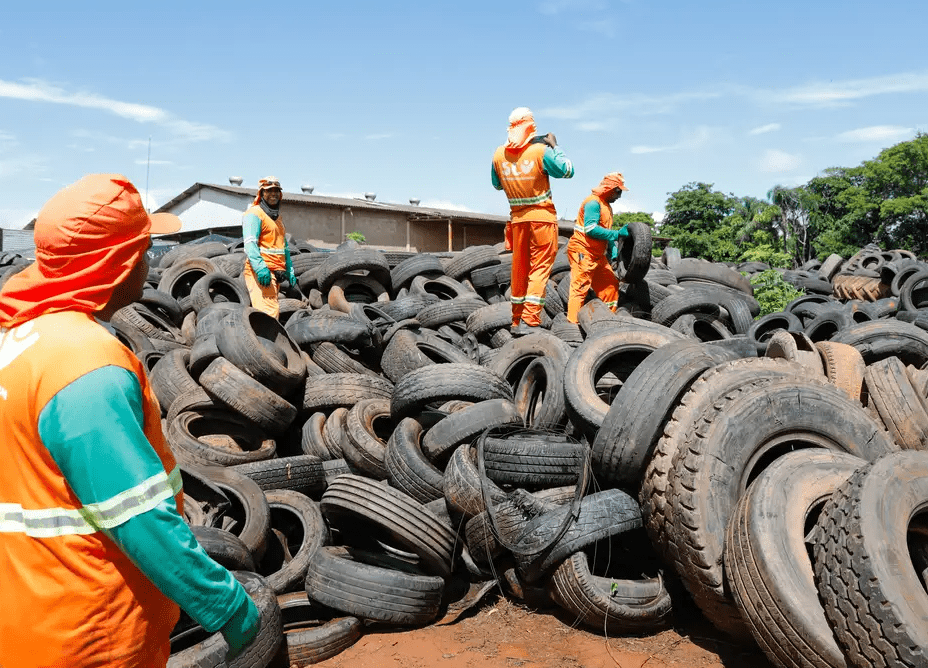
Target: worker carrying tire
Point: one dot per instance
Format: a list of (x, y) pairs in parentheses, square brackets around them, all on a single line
[(267, 254), (95, 556), (522, 168), (593, 245)]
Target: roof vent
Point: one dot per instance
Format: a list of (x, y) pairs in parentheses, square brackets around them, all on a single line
[(370, 197), (414, 201), (236, 180), (307, 190)]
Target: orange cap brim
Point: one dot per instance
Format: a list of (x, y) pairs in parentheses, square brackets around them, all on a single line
[(164, 223)]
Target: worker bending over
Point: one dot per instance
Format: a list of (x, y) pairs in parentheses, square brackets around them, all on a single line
[(592, 245)]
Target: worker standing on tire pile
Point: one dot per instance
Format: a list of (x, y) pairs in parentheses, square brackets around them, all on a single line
[(522, 168), (267, 255), (94, 553), (593, 245)]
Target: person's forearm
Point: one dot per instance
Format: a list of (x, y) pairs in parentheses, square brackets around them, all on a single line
[(556, 164), (251, 228)]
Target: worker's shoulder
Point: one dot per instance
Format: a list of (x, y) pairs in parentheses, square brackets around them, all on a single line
[(80, 340)]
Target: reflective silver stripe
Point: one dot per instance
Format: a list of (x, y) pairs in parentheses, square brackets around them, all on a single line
[(578, 228), (528, 201), (517, 300), (251, 240), (273, 251), (53, 522), (531, 299)]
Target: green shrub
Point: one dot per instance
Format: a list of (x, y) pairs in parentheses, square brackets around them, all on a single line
[(772, 292), (356, 236)]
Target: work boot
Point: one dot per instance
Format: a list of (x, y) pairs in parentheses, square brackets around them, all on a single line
[(523, 329)]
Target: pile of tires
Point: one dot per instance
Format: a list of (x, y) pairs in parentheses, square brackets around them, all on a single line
[(387, 444)]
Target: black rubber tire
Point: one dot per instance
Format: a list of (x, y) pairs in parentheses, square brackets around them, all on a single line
[(211, 652), (462, 485), (601, 515), (408, 306), (368, 508), (252, 515), (170, 378), (407, 468), (224, 547), (692, 269), (899, 404), (473, 257), (686, 301), (617, 606), (335, 390), (305, 531), (368, 427), (202, 353), (217, 438), (487, 319), (225, 382), (341, 262), (513, 358), (163, 304), (311, 634), (350, 290), (442, 382), (311, 440), (767, 563), (334, 327), (887, 338), (300, 473), (533, 460), (254, 341), (618, 352), (743, 431), (464, 425), (411, 349), (450, 310), (336, 580), (332, 358), (539, 395), (629, 433), (178, 279), (218, 284), (873, 596), (764, 327), (421, 264), (333, 432), (635, 253)]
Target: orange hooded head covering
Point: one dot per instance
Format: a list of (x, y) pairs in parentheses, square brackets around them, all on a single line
[(521, 127), (610, 181), (265, 184), (88, 238)]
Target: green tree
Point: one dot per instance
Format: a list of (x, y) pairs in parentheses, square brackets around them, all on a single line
[(694, 221), (356, 236), (626, 217)]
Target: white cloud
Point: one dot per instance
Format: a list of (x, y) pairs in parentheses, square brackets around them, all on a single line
[(658, 216), (552, 7), (141, 161), (875, 133), (34, 90), (764, 129), (610, 104), (593, 126), (381, 135), (839, 93), (443, 204), (691, 140), (777, 162), (16, 219), (7, 140), (604, 27)]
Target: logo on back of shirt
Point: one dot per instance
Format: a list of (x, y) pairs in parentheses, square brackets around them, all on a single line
[(13, 343), (517, 170)]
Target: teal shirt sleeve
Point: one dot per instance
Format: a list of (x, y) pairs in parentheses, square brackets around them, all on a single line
[(251, 227), (556, 164), (591, 226), (494, 177), (93, 430)]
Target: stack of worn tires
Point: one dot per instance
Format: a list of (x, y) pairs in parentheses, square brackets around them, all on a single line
[(387, 445)]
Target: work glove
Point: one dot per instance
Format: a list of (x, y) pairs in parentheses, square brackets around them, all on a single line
[(241, 630), (264, 276), (291, 278), (624, 231), (613, 235)]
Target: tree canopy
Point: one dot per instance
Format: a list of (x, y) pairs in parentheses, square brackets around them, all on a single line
[(883, 200)]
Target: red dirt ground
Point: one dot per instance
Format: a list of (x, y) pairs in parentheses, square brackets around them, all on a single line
[(503, 634)]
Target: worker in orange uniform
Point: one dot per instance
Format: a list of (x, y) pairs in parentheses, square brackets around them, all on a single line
[(267, 255), (95, 556), (522, 168), (592, 245)]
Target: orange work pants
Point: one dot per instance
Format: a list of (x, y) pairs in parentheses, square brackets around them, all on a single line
[(534, 246), (586, 272), (263, 297)]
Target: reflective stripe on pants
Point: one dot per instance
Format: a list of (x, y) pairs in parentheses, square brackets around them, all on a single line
[(587, 273), (534, 246)]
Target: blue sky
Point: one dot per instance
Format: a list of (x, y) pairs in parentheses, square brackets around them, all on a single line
[(410, 100)]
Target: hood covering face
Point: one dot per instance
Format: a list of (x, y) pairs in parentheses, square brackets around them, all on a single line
[(521, 127), (610, 181), (88, 238)]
